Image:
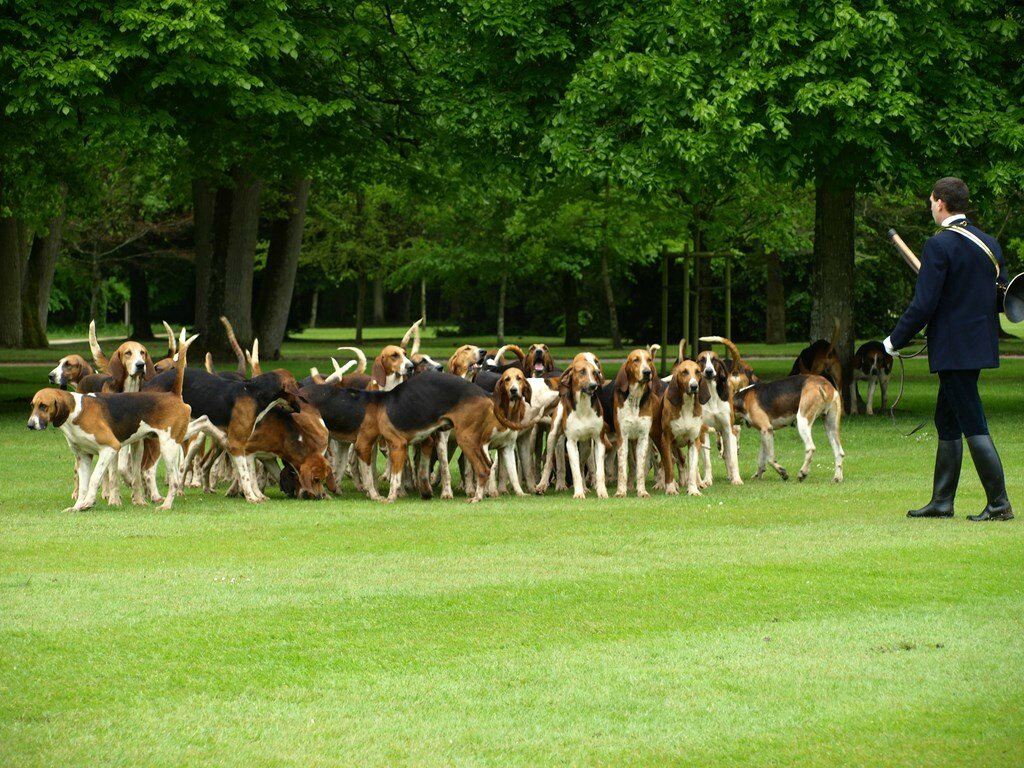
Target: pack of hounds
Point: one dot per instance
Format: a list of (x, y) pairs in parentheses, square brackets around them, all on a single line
[(507, 424)]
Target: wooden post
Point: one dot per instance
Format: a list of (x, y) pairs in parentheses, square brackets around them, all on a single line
[(423, 301), (664, 307), (695, 327), (686, 297), (728, 296)]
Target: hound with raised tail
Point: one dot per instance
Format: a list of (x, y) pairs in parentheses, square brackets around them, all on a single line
[(466, 361), (634, 403), (680, 423), (510, 399), (580, 418), (800, 399), (99, 425), (873, 364), (718, 412), (126, 369)]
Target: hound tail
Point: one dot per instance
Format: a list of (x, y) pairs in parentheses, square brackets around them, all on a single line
[(682, 351), (172, 347), (234, 345), (254, 358), (514, 350), (179, 377), (360, 356), (733, 349), (409, 334), (97, 354)]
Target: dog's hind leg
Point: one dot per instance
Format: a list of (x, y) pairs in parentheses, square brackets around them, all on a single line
[(803, 426)]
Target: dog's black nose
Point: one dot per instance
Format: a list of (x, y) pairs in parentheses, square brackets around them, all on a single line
[(646, 374)]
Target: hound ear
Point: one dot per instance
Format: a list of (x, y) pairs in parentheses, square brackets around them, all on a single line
[(565, 386), (722, 383), (703, 391), (117, 371), (150, 369), (60, 412), (672, 392), (378, 374), (527, 390), (503, 399), (331, 482), (622, 380)]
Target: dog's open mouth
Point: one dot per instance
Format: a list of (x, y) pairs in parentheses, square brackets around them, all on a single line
[(538, 367)]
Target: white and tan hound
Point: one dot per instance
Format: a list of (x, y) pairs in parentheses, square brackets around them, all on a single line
[(873, 364), (680, 423), (634, 404), (800, 399), (580, 418)]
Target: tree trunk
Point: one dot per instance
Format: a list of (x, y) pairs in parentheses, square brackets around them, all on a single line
[(407, 306), (313, 308), (141, 329), (775, 298), (232, 237), (38, 282), (423, 301), (278, 285), (572, 311), (94, 294), (378, 301), (609, 296), (502, 287), (44, 263), (832, 278), (241, 252), (360, 306), (203, 204), (10, 286)]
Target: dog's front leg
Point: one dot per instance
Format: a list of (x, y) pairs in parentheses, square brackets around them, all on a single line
[(105, 459), (601, 484), (641, 467), (692, 483), (872, 383), (622, 457), (572, 448), (705, 451)]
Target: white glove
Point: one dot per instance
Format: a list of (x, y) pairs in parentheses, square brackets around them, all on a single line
[(889, 347)]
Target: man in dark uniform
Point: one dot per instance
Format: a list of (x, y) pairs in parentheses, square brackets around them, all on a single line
[(955, 297)]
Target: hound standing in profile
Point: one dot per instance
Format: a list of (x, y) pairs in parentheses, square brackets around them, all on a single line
[(99, 425)]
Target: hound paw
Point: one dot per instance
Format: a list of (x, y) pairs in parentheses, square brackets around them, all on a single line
[(695, 491), (801, 475), (642, 494), (581, 495), (621, 493)]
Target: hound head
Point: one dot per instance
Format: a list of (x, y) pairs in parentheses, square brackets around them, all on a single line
[(688, 381), (538, 358), (69, 370), (638, 369), (466, 360), (391, 367), (513, 382), (715, 373), (425, 364), (50, 406), (583, 376), (130, 365)]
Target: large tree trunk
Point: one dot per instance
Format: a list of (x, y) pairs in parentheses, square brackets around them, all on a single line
[(10, 285), (94, 293), (141, 329), (232, 252), (241, 252), (775, 297), (378, 301), (832, 277), (278, 285), (42, 262), (572, 311), (44, 267)]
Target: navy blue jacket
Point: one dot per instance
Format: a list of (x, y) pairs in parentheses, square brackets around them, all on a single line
[(955, 297)]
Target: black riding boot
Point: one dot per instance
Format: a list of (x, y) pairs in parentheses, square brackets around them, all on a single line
[(990, 470), (948, 456)]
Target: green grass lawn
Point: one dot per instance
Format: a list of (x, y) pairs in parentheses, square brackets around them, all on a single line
[(773, 624)]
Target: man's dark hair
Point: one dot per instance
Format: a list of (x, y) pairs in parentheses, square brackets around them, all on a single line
[(953, 192)]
